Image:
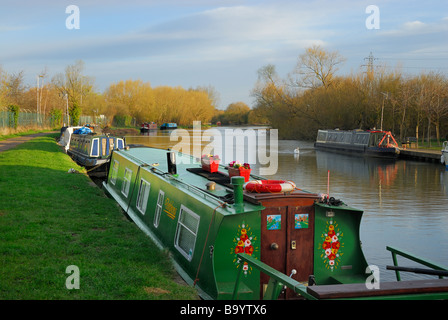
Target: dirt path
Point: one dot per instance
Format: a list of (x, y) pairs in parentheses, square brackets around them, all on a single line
[(13, 142)]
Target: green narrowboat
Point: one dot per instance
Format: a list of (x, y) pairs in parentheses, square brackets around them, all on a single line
[(219, 231)]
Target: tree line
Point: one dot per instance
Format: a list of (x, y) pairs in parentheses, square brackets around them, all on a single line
[(126, 102), (312, 96)]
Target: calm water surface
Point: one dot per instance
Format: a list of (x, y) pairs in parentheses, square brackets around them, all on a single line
[(405, 203)]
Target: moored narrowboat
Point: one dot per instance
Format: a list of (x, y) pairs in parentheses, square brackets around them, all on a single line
[(93, 151), (168, 126), (375, 143), (231, 243), (206, 228), (148, 126)]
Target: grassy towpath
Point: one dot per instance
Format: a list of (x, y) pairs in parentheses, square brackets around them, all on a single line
[(51, 219)]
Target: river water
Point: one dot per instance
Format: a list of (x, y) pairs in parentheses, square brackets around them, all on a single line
[(405, 202)]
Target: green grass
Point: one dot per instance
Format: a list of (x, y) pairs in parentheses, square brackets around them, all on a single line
[(435, 145), (51, 219)]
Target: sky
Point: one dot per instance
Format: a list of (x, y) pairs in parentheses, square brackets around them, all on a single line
[(217, 43)]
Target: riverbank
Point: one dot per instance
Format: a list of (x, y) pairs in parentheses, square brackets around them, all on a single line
[(421, 155), (51, 219)]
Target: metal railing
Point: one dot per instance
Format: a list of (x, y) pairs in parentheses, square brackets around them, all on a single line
[(277, 280), (436, 269)]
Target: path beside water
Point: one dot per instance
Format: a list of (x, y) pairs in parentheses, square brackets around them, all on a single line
[(14, 142)]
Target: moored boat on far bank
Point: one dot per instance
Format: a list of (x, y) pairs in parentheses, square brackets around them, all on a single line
[(148, 126), (168, 126), (375, 143)]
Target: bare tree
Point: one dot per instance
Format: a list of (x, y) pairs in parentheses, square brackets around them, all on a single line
[(73, 83), (15, 87), (316, 67), (74, 86)]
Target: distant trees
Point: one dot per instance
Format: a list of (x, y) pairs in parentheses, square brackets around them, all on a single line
[(236, 113), (130, 102), (131, 97), (313, 97), (161, 104)]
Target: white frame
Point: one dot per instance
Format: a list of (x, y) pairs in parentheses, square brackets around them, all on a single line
[(159, 207), (141, 205), (126, 182), (114, 174), (182, 228)]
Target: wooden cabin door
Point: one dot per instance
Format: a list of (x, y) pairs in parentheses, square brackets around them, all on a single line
[(287, 240)]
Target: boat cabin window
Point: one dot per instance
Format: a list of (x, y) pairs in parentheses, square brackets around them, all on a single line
[(103, 146), (111, 145), (87, 147), (95, 145), (186, 232), (120, 143), (113, 178), (159, 206), (126, 182), (142, 197)]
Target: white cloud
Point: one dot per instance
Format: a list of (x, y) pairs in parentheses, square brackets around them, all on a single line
[(10, 28), (417, 27), (414, 25)]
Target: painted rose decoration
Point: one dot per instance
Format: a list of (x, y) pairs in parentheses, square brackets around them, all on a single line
[(243, 243), (331, 245)]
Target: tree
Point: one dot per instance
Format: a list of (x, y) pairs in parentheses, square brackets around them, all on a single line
[(56, 117), (74, 85), (406, 96), (316, 67), (212, 93), (14, 119), (3, 90), (132, 97), (237, 113)]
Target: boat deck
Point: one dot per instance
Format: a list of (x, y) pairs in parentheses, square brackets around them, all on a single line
[(190, 172), (360, 290)]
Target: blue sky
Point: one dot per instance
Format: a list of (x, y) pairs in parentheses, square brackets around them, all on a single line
[(216, 43)]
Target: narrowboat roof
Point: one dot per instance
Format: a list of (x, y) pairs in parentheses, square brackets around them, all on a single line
[(190, 175)]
